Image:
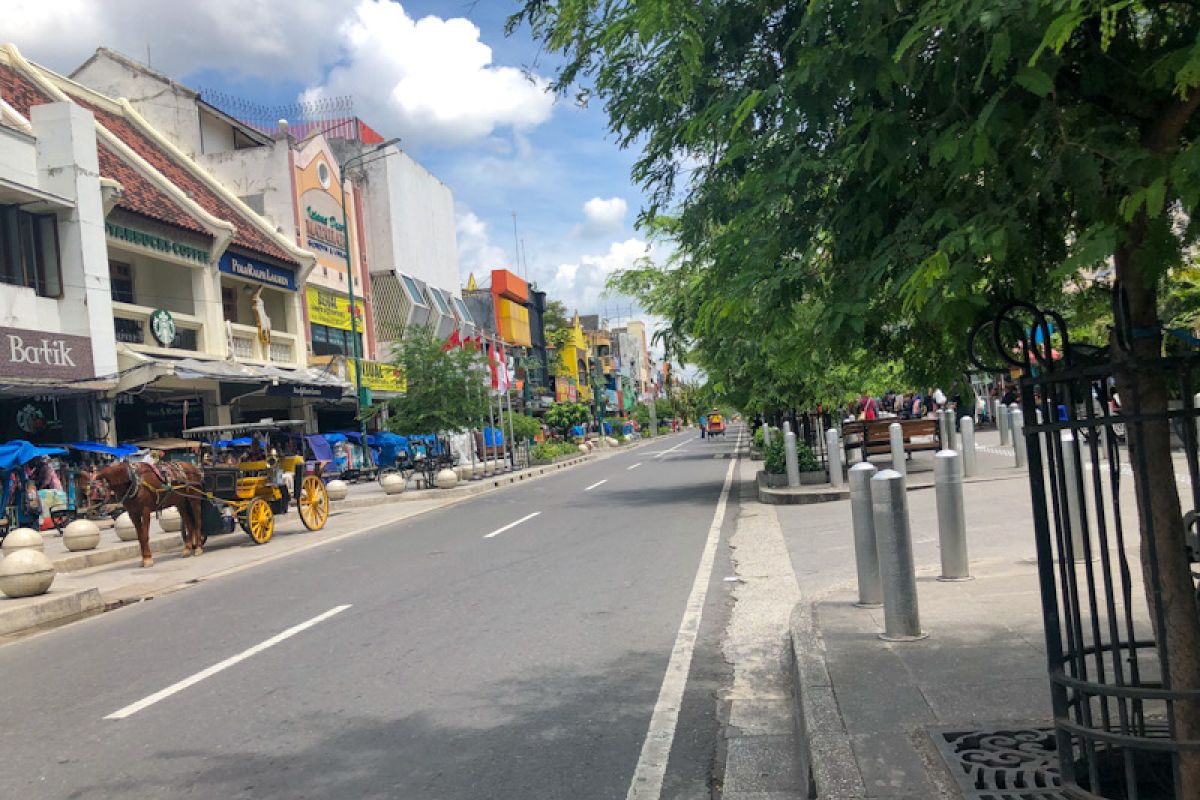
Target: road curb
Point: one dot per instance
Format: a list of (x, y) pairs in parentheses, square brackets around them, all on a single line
[(126, 551), (48, 608), (826, 759)]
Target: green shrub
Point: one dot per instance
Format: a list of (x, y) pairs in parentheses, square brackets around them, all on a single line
[(758, 437), (806, 458), (548, 451), (773, 457), (525, 428)]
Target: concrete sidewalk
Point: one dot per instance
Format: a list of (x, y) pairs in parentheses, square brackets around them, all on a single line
[(884, 720), (92, 581)]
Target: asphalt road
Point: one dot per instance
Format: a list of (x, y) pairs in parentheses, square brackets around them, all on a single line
[(424, 660)]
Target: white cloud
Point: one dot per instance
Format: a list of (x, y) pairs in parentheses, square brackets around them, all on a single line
[(604, 215), (476, 253), (580, 284), (282, 39), (431, 80)]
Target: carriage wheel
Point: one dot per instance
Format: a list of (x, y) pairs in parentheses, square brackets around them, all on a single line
[(313, 503), (258, 520)]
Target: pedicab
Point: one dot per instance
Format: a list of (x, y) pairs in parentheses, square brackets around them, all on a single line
[(247, 482), (716, 425), (19, 498)]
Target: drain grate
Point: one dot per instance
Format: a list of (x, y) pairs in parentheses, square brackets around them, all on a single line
[(1006, 761)]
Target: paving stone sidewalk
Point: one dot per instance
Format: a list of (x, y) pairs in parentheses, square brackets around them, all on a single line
[(869, 711)]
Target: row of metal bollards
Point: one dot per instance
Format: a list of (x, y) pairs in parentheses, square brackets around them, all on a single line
[(883, 538)]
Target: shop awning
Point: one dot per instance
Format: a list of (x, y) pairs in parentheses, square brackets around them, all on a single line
[(139, 369)]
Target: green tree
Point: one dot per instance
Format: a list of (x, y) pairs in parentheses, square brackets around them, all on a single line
[(899, 168), (555, 316), (445, 390), (561, 417)]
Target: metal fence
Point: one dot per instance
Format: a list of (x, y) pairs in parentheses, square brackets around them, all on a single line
[(1112, 451)]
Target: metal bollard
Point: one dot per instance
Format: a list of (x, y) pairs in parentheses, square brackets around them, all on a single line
[(789, 455), (787, 426), (1073, 499), (1002, 422), (952, 521), (896, 434), (889, 506), (834, 455), (943, 436), (766, 429), (951, 440), (967, 424), (866, 554), (1017, 422)]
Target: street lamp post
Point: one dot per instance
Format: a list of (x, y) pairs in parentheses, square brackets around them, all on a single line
[(358, 380)]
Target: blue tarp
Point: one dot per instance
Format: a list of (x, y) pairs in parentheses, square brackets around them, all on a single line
[(493, 437), (578, 430), (120, 451), (356, 437), (244, 441), (320, 447), (390, 446), (15, 453), (334, 438)]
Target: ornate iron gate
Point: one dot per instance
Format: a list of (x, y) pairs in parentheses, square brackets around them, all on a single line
[(1091, 424)]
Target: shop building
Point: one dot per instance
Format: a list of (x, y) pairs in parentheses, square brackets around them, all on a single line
[(57, 350), (204, 294)]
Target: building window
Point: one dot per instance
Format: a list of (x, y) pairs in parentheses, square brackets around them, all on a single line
[(328, 341), (29, 251), (129, 331), (229, 303), (120, 278)]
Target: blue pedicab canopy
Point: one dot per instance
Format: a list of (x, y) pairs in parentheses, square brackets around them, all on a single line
[(19, 452), (119, 451)]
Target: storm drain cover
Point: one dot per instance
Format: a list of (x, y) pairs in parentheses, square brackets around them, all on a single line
[(1006, 761)]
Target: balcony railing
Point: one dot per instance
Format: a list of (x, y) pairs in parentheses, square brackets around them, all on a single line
[(247, 347), (131, 323)]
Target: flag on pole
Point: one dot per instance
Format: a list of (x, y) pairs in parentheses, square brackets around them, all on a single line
[(492, 366), (453, 341), (504, 381)]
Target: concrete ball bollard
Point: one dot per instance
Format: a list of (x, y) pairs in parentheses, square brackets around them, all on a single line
[(124, 528), (169, 520), (83, 534), (23, 539), (337, 490), (446, 479), (393, 483), (25, 573), (583, 448)]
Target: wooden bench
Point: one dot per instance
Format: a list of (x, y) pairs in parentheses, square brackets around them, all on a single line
[(873, 437)]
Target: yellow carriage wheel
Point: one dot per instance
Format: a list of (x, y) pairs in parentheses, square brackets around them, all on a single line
[(259, 520), (313, 503)]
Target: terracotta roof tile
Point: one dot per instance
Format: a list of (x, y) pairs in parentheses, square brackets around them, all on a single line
[(247, 235), (141, 196)]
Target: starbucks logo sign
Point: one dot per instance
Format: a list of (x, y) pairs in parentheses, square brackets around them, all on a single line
[(162, 325)]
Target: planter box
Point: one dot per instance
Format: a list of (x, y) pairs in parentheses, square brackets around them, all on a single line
[(769, 481)]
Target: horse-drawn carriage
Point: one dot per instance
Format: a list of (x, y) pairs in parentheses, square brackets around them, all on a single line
[(247, 482)]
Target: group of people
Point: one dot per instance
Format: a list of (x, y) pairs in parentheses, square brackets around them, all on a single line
[(916, 405)]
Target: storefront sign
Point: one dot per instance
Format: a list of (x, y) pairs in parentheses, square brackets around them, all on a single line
[(324, 232), (380, 377), (153, 242), (301, 390), (36, 354), (259, 271), (162, 325), (331, 310)]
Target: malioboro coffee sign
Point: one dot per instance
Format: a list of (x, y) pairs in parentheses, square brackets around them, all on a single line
[(51, 356)]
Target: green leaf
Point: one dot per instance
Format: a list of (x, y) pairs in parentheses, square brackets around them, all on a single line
[(1035, 81), (1155, 196)]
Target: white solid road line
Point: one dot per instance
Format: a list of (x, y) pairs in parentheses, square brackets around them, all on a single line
[(175, 688), (633, 466), (594, 485), (651, 768), (511, 525)]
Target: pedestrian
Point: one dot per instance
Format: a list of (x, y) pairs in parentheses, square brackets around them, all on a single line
[(867, 408)]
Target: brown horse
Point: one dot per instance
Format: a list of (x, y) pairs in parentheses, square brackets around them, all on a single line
[(145, 488)]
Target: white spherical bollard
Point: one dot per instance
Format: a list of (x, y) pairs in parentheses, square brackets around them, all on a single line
[(23, 539), (392, 483), (25, 573), (611, 442), (125, 529), (479, 470), (82, 534), (583, 448), (337, 490), (169, 520), (446, 479)]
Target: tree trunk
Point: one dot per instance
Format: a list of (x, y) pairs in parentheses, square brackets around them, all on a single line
[(1144, 390)]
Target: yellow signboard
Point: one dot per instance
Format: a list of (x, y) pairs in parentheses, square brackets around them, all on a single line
[(380, 377), (331, 309)]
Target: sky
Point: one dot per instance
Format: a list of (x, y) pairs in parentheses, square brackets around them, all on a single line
[(469, 103)]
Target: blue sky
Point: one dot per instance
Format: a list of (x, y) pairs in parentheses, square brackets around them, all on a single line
[(439, 73)]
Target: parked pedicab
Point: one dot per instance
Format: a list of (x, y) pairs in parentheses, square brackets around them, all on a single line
[(19, 497), (716, 424)]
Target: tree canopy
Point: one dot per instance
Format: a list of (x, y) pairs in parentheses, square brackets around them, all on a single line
[(870, 177), (445, 387)]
